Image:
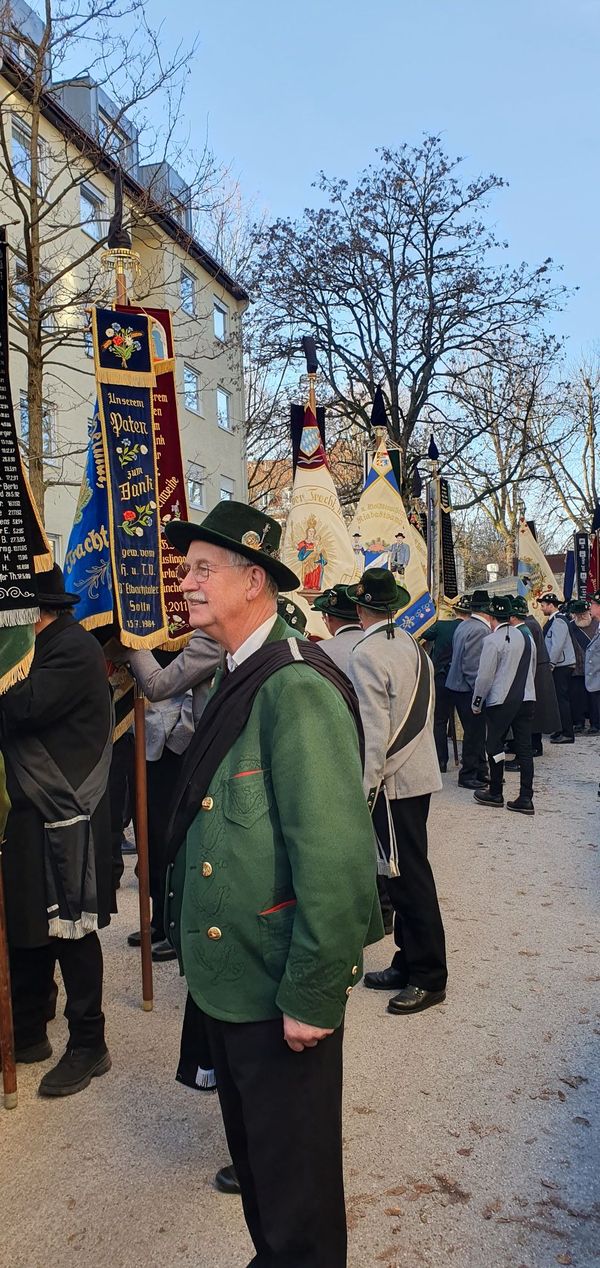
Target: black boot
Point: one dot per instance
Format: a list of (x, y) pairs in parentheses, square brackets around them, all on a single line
[(34, 1052), (226, 1180), (489, 798), (524, 805), (75, 1071)]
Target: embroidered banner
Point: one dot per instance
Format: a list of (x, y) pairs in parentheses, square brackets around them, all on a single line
[(316, 545), (534, 574), (581, 544), (383, 538), (172, 500), (24, 548), (126, 424), (87, 564)]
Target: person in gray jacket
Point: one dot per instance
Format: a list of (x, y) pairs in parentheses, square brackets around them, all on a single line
[(393, 679), (341, 619), (466, 651), (592, 654), (191, 669), (562, 661), (505, 685)]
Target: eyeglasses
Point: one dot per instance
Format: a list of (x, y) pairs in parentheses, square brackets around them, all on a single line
[(201, 571)]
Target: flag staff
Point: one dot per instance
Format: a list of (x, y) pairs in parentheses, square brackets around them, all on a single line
[(121, 260), (434, 526)]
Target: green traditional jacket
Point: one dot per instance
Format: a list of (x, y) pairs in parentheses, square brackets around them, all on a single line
[(273, 897)]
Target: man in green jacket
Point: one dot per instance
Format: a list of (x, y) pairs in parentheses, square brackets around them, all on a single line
[(272, 890)]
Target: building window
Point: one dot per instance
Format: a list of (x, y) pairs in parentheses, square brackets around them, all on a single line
[(195, 484), (56, 546), (192, 389), (111, 137), (21, 291), (48, 425), (187, 292), (224, 409), (91, 212), (220, 315), (21, 151), (21, 155), (227, 491)]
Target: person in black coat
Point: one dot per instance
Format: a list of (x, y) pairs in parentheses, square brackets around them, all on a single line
[(65, 703), (546, 716)]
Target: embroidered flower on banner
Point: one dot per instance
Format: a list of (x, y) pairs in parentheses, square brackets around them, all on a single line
[(134, 522), (122, 341)]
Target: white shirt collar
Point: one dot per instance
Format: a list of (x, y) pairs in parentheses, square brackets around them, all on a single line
[(251, 644), (344, 629), (475, 616), (372, 629)]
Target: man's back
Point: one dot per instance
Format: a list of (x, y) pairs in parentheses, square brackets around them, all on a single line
[(466, 651), (340, 647), (384, 673)]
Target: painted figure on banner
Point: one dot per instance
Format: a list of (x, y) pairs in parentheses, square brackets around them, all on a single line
[(399, 554), (311, 556)]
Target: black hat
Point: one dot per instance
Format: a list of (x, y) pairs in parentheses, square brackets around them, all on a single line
[(549, 597), (335, 602), (519, 606), (241, 528), (501, 605), (291, 613), (463, 604), (378, 591), (577, 606), (480, 601), (595, 597), (51, 591)]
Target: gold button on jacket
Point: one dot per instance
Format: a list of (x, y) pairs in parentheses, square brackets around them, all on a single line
[(207, 869), (207, 803), (215, 933)]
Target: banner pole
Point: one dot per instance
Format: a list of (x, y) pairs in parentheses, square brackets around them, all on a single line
[(121, 259), (7, 1040)]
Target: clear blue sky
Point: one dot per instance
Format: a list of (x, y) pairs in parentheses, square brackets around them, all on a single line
[(288, 88)]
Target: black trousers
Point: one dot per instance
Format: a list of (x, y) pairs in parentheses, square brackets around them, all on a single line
[(418, 930), (474, 763), (500, 719), (121, 784), (579, 701), (32, 977), (562, 679), (444, 705), (594, 702), (162, 776), (282, 1112)]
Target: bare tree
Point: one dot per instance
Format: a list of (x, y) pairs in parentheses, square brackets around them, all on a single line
[(396, 278), (569, 474), (48, 161)]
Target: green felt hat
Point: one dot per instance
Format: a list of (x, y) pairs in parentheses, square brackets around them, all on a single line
[(241, 528), (595, 597), (378, 591), (549, 597), (291, 613), (463, 603), (480, 601), (501, 605), (519, 606), (335, 602), (576, 606)]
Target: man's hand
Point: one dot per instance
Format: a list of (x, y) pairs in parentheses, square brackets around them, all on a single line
[(298, 1035)]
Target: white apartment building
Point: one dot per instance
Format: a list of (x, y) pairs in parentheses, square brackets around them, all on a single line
[(79, 124)]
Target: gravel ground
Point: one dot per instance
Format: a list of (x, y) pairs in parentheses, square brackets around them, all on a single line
[(471, 1130)]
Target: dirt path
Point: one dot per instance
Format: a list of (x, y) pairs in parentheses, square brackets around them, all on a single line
[(471, 1131)]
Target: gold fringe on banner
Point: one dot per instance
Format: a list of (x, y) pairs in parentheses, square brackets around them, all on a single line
[(125, 378), (43, 561), (97, 620), (176, 644), (142, 642), (17, 672), (122, 726)]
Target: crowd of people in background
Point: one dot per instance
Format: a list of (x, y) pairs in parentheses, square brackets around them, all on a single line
[(255, 743)]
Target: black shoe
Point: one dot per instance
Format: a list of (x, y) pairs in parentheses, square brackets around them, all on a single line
[(512, 766), (537, 752), (385, 980), (135, 939), (226, 1180), (488, 798), (443, 767), (578, 728), (472, 783), (523, 804), (35, 1052), (594, 730), (562, 739), (555, 734), (162, 951), (75, 1071), (413, 999)]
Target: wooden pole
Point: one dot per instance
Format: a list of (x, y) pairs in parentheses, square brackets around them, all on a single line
[(7, 1040), (141, 786), (141, 839)]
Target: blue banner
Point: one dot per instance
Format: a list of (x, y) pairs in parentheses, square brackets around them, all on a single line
[(87, 564)]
